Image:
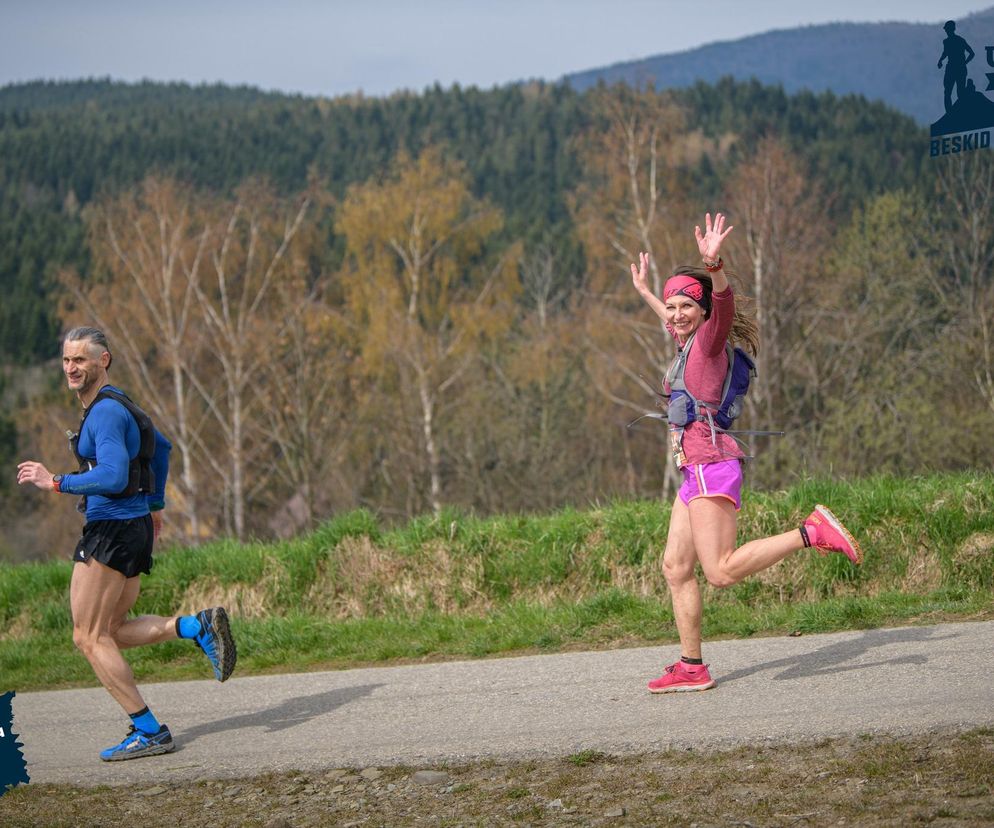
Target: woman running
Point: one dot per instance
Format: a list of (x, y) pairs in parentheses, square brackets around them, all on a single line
[(699, 303)]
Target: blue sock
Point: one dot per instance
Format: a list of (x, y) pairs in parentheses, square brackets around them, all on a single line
[(187, 626), (145, 721)]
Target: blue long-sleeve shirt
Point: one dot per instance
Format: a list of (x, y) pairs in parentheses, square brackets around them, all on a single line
[(111, 435)]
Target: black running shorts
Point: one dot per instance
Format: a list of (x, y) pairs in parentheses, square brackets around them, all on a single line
[(124, 545)]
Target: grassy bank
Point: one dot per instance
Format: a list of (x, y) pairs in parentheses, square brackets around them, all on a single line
[(353, 592)]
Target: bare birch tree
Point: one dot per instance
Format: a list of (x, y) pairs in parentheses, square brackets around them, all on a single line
[(149, 247), (636, 203), (307, 407), (963, 228), (249, 255), (182, 288), (781, 221)]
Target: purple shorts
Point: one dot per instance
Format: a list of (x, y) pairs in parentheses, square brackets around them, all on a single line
[(721, 479)]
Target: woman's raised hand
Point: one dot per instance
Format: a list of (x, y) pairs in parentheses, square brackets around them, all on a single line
[(640, 274), (709, 242)]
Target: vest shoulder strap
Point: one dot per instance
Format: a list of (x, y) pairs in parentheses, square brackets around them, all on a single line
[(674, 376), (145, 426), (679, 366), (140, 476)]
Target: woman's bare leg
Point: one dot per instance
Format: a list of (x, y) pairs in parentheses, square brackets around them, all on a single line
[(713, 527), (679, 563)]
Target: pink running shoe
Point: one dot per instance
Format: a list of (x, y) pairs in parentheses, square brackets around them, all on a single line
[(681, 677), (827, 534)]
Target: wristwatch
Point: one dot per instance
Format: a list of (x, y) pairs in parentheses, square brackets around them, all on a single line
[(56, 482)]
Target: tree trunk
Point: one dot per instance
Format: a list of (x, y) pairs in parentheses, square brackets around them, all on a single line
[(184, 444), (431, 450)]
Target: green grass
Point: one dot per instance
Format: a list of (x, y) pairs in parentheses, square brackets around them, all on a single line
[(586, 757), (460, 586)]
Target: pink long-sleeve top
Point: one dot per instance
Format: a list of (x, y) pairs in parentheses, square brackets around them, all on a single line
[(704, 376)]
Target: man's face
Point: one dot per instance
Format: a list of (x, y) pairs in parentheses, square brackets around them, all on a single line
[(84, 363)]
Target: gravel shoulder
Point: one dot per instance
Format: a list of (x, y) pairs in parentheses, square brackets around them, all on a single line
[(940, 778)]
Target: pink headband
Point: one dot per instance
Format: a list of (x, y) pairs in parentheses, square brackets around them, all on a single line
[(683, 286)]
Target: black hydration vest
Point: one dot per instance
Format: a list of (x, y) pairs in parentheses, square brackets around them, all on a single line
[(141, 479)]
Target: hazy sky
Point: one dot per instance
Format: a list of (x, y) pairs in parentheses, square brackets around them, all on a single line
[(380, 46)]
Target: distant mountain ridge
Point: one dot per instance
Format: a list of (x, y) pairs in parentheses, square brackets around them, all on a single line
[(892, 62)]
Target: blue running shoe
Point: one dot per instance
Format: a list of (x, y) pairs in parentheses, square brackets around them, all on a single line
[(215, 640), (137, 744)]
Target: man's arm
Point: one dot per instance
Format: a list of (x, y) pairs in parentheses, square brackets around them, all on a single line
[(108, 423)]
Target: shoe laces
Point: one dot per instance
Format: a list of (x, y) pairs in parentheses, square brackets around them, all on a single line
[(206, 640), (132, 732)]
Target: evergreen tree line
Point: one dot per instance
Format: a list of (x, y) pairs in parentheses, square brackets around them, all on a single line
[(63, 145), (400, 343)]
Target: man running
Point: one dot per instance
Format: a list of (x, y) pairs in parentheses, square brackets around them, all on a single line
[(124, 462)]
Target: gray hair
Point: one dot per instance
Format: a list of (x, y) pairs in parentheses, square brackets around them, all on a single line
[(87, 334)]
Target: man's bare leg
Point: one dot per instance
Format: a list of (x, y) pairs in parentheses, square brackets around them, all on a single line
[(97, 594), (145, 629)]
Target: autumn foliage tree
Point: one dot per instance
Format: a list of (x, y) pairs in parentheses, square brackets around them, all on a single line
[(425, 296)]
